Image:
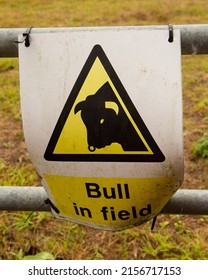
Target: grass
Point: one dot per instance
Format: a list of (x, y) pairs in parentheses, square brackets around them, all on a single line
[(64, 240), (9, 83), (43, 236), (17, 175), (201, 147)]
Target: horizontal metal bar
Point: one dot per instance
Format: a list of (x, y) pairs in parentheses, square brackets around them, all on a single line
[(188, 202), (22, 198), (194, 37), (184, 202)]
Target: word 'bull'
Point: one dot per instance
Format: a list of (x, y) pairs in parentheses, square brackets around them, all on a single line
[(106, 121)]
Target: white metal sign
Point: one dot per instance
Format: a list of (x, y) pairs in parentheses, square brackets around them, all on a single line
[(102, 117)]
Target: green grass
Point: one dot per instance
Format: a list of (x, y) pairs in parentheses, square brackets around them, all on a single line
[(43, 236), (17, 175), (9, 84), (63, 240), (201, 147)]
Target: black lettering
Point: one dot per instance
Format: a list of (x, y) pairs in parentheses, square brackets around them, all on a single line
[(123, 215), (109, 213), (106, 195), (93, 190), (127, 191), (104, 210), (84, 210), (134, 212), (120, 195), (113, 216), (76, 209), (145, 211)]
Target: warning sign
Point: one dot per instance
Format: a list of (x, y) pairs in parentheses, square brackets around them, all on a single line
[(102, 121), (99, 122)]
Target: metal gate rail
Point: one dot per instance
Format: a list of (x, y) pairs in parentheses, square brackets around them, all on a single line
[(194, 37), (184, 202), (194, 40)]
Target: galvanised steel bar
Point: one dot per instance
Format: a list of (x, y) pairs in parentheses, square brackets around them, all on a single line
[(184, 202), (22, 198), (194, 37), (194, 40), (188, 202)]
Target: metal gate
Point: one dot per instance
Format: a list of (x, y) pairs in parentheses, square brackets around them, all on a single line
[(194, 40)]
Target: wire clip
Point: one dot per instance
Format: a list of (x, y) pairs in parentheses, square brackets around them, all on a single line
[(46, 201), (153, 222), (170, 28), (26, 36)]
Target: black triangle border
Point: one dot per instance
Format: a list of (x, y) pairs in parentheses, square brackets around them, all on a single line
[(157, 155)]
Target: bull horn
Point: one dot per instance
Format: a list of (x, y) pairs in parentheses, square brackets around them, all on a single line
[(79, 106), (112, 105)]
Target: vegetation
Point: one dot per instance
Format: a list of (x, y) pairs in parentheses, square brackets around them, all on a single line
[(43, 236), (201, 147)]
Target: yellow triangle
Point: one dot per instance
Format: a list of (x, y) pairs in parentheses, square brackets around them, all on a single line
[(69, 140), (72, 139)]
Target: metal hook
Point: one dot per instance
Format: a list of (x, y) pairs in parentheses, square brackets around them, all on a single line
[(170, 28), (26, 34)]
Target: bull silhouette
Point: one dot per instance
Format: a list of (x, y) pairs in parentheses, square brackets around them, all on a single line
[(106, 121)]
